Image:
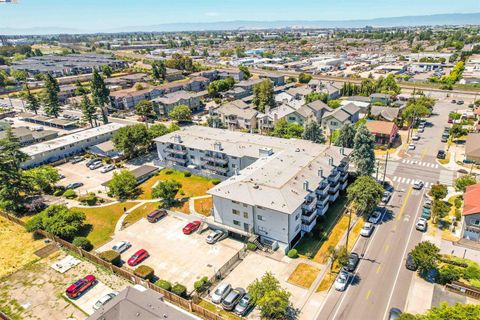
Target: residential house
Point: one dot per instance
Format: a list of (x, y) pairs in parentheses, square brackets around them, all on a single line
[(384, 113), (278, 80), (248, 85), (385, 132), (472, 148), (382, 98), (362, 102), (105, 150), (237, 115), (128, 98), (336, 118), (471, 213), (173, 75), (168, 101)]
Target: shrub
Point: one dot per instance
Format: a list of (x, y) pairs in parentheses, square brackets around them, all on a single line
[(70, 194), (449, 273), (216, 181), (187, 174), (168, 171), (472, 272), (458, 214), (201, 284), (144, 272), (83, 243), (111, 256), (251, 246), (58, 193), (179, 290), (164, 284), (90, 200), (292, 253)]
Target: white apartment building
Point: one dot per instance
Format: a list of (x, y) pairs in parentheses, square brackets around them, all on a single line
[(68, 145), (275, 188)]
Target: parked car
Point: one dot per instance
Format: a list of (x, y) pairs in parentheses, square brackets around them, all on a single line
[(376, 216), (444, 138), (121, 246), (215, 236), (221, 292), (233, 298), (367, 229), (104, 300), (92, 161), (415, 137), (394, 314), (138, 257), (243, 305), (386, 196), (460, 102), (454, 101), (191, 227), (80, 286), (76, 159), (421, 129), (411, 146), (441, 154), (156, 215), (450, 120), (418, 184), (410, 263), (427, 204), (107, 168), (353, 260), (342, 281), (95, 165), (421, 225), (426, 213), (74, 185)]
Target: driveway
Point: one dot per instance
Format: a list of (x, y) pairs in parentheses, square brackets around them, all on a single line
[(90, 297), (174, 256)]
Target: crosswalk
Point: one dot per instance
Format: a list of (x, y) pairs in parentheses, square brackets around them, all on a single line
[(420, 163), (408, 181)]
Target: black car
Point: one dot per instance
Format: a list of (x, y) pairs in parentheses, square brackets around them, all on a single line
[(353, 260), (92, 161), (74, 185), (441, 154), (394, 314), (410, 264)]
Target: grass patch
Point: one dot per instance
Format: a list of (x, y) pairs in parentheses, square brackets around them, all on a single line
[(218, 310), (181, 207), (309, 246), (141, 212), (304, 275), (18, 247), (192, 186), (329, 278), (355, 233), (333, 239), (446, 160), (101, 221), (203, 206)]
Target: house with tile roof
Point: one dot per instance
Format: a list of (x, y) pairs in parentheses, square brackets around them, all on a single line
[(385, 132), (471, 213)]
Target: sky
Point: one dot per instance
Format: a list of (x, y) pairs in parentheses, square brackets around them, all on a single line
[(102, 15)]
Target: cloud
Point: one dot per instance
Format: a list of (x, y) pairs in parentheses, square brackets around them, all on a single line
[(212, 14)]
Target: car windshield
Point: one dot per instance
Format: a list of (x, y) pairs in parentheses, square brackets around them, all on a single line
[(220, 290), (243, 303), (342, 278), (99, 303), (134, 257)]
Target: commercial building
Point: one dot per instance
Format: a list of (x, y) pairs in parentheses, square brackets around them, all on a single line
[(68, 145), (274, 189)]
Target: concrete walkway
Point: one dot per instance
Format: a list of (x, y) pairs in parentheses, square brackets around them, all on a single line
[(191, 203), (119, 224)]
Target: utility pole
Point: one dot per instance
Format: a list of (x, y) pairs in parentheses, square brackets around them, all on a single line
[(385, 169), (378, 166)]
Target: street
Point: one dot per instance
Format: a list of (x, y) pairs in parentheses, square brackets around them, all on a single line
[(381, 280)]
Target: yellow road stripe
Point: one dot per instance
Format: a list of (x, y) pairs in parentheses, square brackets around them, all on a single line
[(379, 268), (368, 294), (404, 203), (423, 153), (386, 248)]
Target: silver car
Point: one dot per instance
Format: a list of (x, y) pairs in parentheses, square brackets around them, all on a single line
[(367, 229), (121, 246), (107, 168), (342, 281), (221, 292), (104, 300), (233, 298), (215, 236), (243, 305)]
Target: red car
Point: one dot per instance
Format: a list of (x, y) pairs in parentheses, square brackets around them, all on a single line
[(79, 287), (138, 257), (191, 227)]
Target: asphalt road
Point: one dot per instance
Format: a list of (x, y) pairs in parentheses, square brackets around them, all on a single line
[(381, 280)]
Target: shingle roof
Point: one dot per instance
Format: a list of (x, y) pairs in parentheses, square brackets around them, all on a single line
[(382, 127), (472, 146)]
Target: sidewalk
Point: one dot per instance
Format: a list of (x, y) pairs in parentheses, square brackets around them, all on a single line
[(420, 295)]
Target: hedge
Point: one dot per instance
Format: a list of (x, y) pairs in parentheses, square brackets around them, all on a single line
[(292, 253), (111, 256), (216, 181), (201, 284), (187, 174), (180, 290), (144, 272), (90, 199), (70, 194), (83, 243), (164, 284), (251, 246)]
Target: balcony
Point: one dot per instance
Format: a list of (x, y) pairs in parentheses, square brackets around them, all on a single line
[(334, 196), (344, 185), (322, 210), (334, 188), (177, 160), (310, 204), (176, 151), (334, 176), (215, 168), (308, 227), (215, 159), (344, 176), (231, 121), (307, 217), (323, 189), (322, 201), (343, 167)]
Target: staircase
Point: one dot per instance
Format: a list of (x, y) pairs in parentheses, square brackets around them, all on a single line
[(256, 240)]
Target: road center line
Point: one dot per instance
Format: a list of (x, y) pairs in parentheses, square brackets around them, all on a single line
[(404, 203), (369, 293)]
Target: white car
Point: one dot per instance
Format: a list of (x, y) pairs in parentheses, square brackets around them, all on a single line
[(95, 165), (107, 168), (375, 217), (421, 224), (104, 300), (215, 236), (420, 129), (342, 281), (418, 184), (416, 137), (121, 246), (411, 146), (367, 229), (221, 292)]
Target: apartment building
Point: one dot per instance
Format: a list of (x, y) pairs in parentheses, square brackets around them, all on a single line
[(274, 188)]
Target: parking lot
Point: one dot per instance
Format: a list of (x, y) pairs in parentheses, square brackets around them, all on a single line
[(174, 256), (87, 300)]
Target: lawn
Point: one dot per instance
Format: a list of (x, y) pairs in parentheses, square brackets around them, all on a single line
[(141, 212), (101, 221), (329, 278), (218, 310), (18, 247), (309, 246), (191, 186), (204, 206), (304, 275), (333, 239)]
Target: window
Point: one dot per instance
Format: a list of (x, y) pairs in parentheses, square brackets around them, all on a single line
[(297, 216), (477, 222), (236, 202), (245, 205), (192, 157), (298, 227), (236, 212), (245, 215), (236, 222), (260, 217), (262, 229)]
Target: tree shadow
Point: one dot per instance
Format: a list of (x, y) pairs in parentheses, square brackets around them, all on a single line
[(355, 280), (85, 230)]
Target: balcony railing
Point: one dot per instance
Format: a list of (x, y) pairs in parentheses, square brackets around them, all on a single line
[(216, 168), (334, 188), (343, 167), (323, 189), (334, 196), (344, 185), (309, 226), (322, 210), (176, 151), (178, 160), (307, 217), (231, 121), (333, 178), (215, 159), (323, 201), (310, 204)]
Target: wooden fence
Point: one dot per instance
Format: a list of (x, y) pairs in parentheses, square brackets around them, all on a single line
[(462, 288), (127, 274)]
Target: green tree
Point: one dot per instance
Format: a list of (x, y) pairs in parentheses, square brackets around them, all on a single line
[(100, 94), (313, 132), (425, 256), (42, 178), (166, 190), (457, 131), (217, 86), (58, 220), (3, 78), (51, 104), (365, 193), (438, 191), (123, 185), (314, 96), (272, 300), (346, 136), (132, 140), (245, 71), (459, 311), (215, 122), (19, 75), (263, 95), (88, 110), (304, 78), (159, 70), (181, 113), (363, 155), (464, 181), (334, 104), (144, 109), (106, 70), (287, 130), (32, 102)]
